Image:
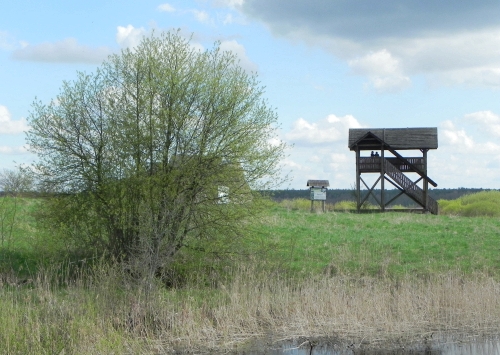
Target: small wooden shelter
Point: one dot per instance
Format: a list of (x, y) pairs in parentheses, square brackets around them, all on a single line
[(318, 190), (393, 168)]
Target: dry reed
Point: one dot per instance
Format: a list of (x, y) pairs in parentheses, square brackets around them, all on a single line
[(101, 314)]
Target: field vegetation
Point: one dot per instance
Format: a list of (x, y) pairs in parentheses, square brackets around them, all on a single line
[(484, 203), (358, 280)]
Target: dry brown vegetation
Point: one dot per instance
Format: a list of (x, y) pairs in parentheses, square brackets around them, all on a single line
[(99, 313)]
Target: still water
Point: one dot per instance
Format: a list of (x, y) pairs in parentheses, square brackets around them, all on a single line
[(477, 347)]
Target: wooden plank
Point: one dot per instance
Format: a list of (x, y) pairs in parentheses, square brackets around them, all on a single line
[(397, 138), (322, 183)]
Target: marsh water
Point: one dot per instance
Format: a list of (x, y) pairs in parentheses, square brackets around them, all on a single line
[(445, 347)]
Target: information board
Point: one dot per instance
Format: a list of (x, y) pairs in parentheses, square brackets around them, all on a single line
[(318, 193)]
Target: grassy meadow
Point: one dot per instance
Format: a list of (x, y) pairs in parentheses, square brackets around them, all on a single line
[(375, 244), (362, 279)]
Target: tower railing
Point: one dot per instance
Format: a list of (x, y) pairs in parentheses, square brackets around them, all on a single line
[(410, 188)]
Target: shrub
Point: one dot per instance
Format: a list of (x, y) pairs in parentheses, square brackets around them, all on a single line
[(484, 203), (296, 204), (345, 206)]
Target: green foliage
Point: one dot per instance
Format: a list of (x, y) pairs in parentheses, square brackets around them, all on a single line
[(484, 203), (8, 212), (296, 204), (161, 148), (375, 244), (303, 204), (337, 195), (13, 183), (20, 247), (345, 206)]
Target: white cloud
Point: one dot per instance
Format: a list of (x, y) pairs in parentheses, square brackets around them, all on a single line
[(65, 51), (129, 37), (229, 3), (390, 83), (8, 126), (13, 150), (291, 164), (470, 77), (451, 167), (383, 70), (239, 50), (201, 16), (338, 161), (380, 63), (166, 8), (469, 58), (448, 44), (487, 122), (456, 137), (466, 156), (321, 151), (331, 129)]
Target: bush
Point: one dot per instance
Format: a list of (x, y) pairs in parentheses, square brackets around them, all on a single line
[(302, 204), (162, 147), (345, 206), (484, 203)]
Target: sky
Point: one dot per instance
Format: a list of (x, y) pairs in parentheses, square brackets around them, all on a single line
[(326, 65)]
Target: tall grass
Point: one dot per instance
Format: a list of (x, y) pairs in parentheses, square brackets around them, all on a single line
[(302, 204), (101, 313), (484, 203)]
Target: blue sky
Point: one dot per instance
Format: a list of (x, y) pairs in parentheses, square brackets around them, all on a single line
[(327, 66)]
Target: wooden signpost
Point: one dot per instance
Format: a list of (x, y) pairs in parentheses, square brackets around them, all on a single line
[(318, 192)]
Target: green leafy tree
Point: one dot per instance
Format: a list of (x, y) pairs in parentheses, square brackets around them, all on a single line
[(161, 147)]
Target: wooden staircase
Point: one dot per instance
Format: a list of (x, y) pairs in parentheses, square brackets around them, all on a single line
[(410, 188)]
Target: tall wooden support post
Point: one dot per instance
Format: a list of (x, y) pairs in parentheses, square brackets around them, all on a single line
[(425, 183), (358, 180), (382, 179)]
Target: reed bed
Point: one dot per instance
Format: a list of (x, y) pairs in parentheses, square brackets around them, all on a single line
[(102, 312)]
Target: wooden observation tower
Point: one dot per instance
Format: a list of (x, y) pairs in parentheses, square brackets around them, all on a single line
[(391, 165)]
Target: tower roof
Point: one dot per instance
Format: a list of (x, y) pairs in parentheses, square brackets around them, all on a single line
[(396, 138)]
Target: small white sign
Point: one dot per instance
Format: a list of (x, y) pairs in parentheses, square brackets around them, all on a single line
[(318, 193), (223, 194)]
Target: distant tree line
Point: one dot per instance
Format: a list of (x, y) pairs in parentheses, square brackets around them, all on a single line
[(336, 195)]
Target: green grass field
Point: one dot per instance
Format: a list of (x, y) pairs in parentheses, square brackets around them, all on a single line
[(379, 244), (368, 278), (19, 238), (291, 239)]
